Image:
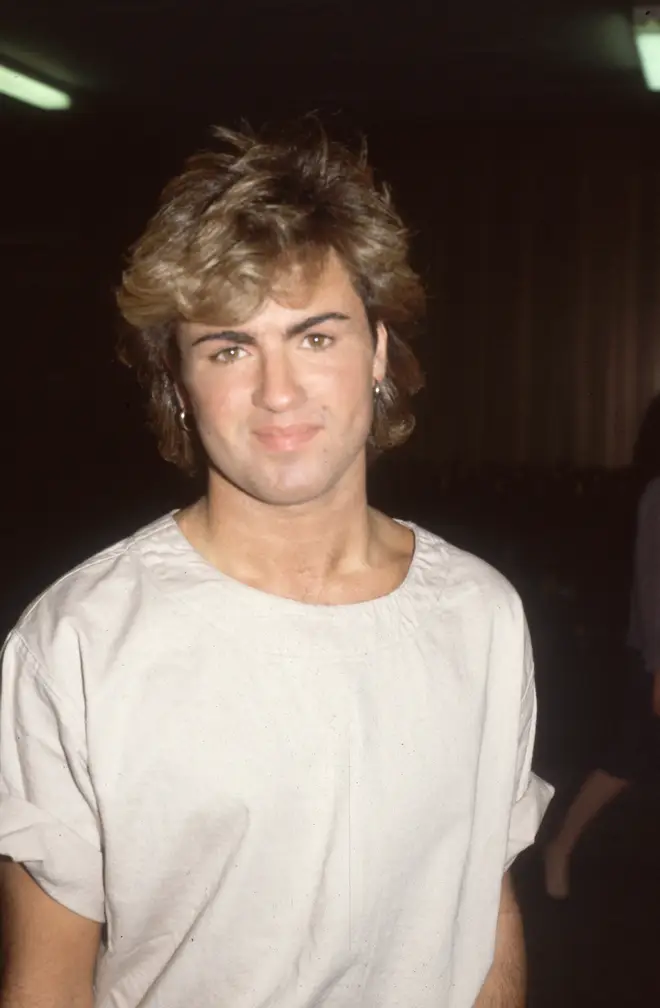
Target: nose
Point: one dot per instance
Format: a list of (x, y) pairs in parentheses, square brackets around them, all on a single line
[(278, 389)]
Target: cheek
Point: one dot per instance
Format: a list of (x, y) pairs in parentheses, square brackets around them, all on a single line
[(214, 400), (348, 384), (352, 395)]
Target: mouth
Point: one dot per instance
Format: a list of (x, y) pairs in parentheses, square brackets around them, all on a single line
[(286, 438)]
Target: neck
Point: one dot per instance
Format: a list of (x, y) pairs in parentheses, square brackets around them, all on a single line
[(308, 545)]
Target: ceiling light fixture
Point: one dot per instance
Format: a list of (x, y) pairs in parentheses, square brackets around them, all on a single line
[(33, 92), (646, 28)]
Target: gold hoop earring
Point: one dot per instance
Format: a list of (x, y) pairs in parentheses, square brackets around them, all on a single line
[(183, 420)]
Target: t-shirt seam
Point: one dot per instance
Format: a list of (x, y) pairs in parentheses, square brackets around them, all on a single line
[(35, 669), (122, 548), (85, 566), (39, 671)]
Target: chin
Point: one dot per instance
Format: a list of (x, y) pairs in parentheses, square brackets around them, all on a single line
[(291, 482), (287, 495)]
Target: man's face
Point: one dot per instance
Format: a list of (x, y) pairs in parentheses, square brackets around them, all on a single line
[(284, 402)]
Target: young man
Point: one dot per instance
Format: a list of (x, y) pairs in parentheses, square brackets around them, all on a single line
[(273, 749)]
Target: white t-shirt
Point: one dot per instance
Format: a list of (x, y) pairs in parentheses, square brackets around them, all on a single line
[(272, 803)]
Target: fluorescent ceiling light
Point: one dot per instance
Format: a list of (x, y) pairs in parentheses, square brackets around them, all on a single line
[(33, 92), (646, 28)]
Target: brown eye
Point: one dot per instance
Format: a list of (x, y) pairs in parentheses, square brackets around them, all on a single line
[(322, 337), (227, 355)]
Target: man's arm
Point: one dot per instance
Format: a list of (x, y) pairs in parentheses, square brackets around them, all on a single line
[(506, 983), (48, 952)]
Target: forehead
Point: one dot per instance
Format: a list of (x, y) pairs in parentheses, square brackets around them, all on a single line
[(298, 291), (328, 288)]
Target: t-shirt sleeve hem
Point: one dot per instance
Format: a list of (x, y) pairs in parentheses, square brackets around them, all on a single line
[(64, 864), (526, 817), (69, 898)]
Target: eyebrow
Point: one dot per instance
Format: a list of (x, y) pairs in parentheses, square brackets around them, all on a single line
[(244, 338)]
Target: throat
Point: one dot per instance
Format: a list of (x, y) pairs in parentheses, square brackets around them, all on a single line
[(382, 569), (370, 583)]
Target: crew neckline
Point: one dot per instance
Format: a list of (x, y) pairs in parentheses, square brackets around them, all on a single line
[(252, 591), (282, 627)]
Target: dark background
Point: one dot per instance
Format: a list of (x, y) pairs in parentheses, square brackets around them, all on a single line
[(524, 151)]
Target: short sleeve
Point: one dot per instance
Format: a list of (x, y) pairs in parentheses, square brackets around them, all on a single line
[(48, 818), (532, 795)]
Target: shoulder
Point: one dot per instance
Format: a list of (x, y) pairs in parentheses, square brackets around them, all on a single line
[(89, 599), (474, 609), (466, 578)]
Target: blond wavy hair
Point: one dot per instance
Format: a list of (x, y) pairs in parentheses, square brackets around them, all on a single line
[(232, 223)]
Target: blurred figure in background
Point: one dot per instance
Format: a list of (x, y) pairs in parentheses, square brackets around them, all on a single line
[(635, 754)]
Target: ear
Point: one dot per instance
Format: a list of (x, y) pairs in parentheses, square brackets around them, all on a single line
[(380, 353), (180, 396)]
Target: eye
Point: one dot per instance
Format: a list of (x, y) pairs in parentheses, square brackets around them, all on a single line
[(320, 337), (227, 355)]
